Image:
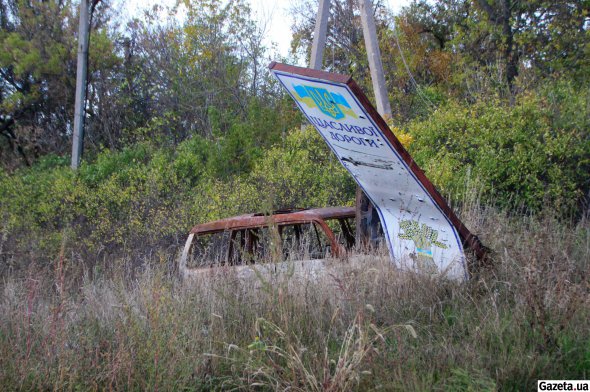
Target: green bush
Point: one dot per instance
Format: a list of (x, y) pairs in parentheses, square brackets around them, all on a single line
[(143, 197), (533, 153), (303, 172)]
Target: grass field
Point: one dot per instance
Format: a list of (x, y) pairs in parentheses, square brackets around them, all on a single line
[(137, 327)]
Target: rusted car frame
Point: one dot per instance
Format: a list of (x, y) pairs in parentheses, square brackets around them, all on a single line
[(243, 235)]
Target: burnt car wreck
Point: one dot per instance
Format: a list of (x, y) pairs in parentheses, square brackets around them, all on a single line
[(309, 236)]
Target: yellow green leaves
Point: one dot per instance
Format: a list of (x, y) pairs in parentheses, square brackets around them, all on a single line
[(529, 154)]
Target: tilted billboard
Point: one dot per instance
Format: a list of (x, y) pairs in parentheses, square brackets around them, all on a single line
[(421, 230)]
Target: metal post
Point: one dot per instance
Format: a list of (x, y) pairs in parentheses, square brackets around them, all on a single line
[(374, 54), (81, 70), (319, 35)]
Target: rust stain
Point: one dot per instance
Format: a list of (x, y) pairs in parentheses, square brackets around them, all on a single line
[(248, 221)]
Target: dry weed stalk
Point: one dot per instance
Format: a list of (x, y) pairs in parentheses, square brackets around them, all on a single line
[(359, 328)]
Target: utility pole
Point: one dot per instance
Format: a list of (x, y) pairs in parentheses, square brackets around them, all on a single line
[(81, 71), (374, 54), (367, 218), (319, 35)]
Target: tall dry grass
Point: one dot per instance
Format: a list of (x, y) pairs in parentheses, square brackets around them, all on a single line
[(140, 328)]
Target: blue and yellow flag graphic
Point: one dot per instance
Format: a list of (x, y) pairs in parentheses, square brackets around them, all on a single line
[(331, 104)]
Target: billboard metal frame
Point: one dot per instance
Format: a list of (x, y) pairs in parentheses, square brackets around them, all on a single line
[(468, 240)]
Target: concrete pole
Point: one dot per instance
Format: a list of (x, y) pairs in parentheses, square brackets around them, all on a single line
[(374, 54), (81, 70), (319, 35), (367, 218)]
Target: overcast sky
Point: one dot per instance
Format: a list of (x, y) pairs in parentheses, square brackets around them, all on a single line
[(274, 12)]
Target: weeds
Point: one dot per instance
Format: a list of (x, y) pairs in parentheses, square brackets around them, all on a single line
[(367, 328)]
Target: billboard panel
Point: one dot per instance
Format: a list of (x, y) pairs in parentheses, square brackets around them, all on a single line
[(422, 232)]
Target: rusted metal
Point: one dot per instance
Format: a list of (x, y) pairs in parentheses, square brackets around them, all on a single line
[(317, 216), (248, 221)]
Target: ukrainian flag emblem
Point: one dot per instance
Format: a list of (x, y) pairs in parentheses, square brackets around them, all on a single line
[(331, 104)]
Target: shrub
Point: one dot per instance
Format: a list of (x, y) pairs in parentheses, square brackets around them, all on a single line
[(145, 197), (534, 153)]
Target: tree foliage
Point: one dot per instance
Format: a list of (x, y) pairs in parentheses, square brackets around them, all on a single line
[(500, 40), (37, 75), (152, 80)]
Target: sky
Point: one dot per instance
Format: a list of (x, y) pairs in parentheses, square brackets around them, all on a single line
[(275, 13)]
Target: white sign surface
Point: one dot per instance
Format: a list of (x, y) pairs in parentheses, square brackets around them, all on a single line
[(419, 235)]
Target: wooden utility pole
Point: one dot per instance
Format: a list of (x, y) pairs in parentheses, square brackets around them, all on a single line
[(319, 35), (81, 71)]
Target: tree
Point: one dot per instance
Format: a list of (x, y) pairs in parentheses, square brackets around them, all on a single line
[(37, 76), (508, 37), (194, 78)]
